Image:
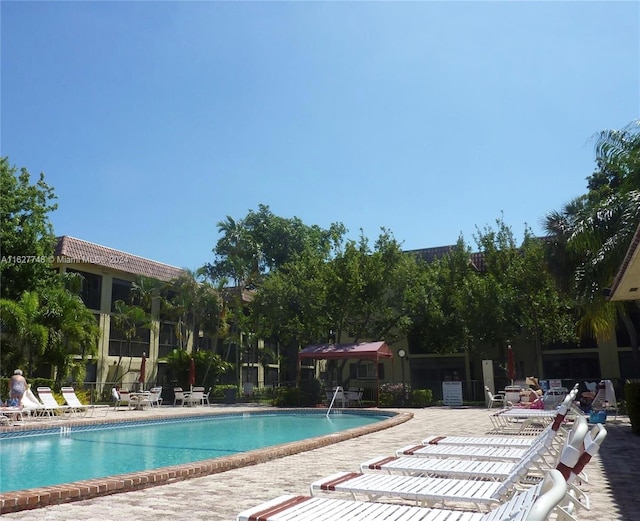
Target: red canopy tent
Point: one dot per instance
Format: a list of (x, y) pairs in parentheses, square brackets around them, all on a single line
[(362, 351)]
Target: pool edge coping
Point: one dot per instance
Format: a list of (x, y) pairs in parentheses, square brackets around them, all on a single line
[(33, 498)]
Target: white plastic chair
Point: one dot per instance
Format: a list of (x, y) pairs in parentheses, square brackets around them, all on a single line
[(205, 397), (155, 399), (178, 396), (196, 397), (494, 398), (123, 398)]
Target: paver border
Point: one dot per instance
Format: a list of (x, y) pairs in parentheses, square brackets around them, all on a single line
[(81, 490)]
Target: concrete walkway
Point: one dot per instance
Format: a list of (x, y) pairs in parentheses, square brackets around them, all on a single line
[(612, 486)]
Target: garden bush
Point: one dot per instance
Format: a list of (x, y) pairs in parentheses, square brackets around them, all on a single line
[(632, 397), (421, 397), (391, 394)]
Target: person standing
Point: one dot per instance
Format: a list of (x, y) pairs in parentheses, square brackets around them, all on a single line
[(17, 388)]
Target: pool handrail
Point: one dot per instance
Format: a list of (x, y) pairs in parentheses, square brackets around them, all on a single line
[(333, 398)]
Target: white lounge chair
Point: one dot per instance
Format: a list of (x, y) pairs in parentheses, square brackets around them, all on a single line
[(460, 451), (485, 452), (499, 441), (448, 467), (49, 401), (33, 406), (520, 420), (541, 456), (10, 414), (77, 407), (534, 504), (429, 491)]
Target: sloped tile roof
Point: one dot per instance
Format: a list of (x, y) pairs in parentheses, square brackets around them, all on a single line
[(76, 251)]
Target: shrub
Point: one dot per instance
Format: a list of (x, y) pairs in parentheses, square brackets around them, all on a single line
[(421, 397), (218, 391), (311, 392), (286, 397), (632, 397), (391, 394)]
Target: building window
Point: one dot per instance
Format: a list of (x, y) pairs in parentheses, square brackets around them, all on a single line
[(585, 343), (120, 290), (573, 366), (622, 335), (91, 288), (365, 371), (168, 341), (119, 346)]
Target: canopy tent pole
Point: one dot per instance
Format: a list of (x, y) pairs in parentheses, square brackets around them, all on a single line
[(377, 382)]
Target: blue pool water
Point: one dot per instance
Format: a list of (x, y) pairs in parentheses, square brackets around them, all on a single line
[(36, 459)]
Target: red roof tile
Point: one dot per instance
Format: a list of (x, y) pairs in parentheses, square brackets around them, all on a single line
[(76, 251)]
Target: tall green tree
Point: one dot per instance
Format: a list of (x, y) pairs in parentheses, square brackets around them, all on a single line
[(367, 289), (443, 300), (26, 234), (507, 293), (358, 293), (252, 248), (195, 306)]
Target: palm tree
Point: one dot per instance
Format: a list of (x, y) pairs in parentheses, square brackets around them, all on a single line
[(129, 320), (25, 338), (73, 332), (593, 233)]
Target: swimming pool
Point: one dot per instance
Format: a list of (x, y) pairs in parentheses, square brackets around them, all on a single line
[(94, 451)]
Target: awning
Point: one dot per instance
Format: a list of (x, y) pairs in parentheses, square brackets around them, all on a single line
[(362, 351)]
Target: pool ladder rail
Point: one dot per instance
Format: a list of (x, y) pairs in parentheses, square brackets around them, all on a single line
[(337, 390)]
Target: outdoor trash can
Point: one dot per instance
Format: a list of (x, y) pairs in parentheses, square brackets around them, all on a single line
[(230, 395)]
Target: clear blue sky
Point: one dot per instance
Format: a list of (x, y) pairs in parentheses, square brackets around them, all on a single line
[(154, 121)]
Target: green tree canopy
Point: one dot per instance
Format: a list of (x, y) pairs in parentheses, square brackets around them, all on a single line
[(26, 234)]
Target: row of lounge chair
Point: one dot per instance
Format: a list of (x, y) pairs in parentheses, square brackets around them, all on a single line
[(45, 405), (521, 420), (465, 479)]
